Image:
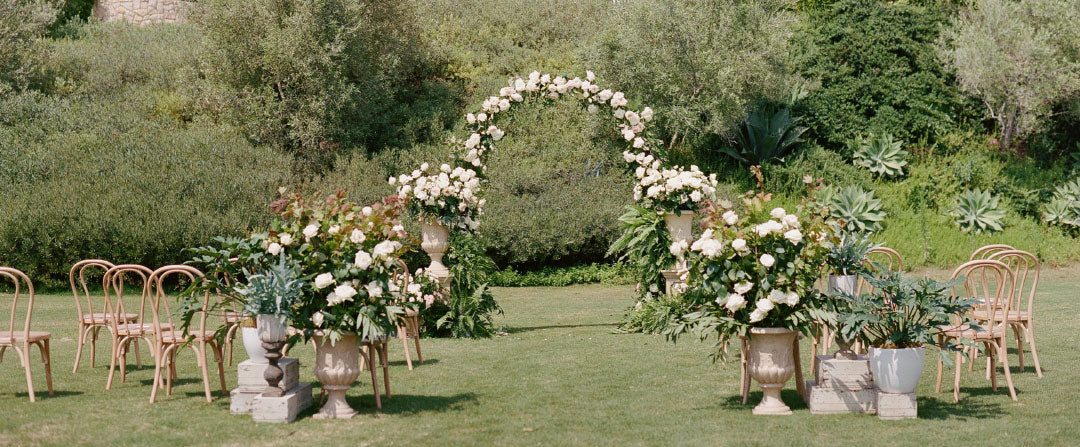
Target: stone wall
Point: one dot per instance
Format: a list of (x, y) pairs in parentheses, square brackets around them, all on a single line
[(141, 12)]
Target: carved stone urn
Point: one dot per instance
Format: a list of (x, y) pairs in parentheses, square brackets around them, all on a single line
[(845, 284), (337, 366), (681, 227), (771, 364), (435, 240)]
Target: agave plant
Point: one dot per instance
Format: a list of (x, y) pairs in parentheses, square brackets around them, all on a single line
[(1064, 208), (881, 154), (765, 134), (855, 208), (977, 211)]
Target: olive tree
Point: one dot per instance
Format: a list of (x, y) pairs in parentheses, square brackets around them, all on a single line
[(698, 63), (1017, 57)]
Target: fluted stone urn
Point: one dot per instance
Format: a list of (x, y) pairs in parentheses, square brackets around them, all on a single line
[(771, 364), (435, 240), (337, 366)]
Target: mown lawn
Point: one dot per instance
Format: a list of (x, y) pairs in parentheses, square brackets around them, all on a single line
[(559, 377)]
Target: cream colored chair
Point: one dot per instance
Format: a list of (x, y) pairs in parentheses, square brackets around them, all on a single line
[(1025, 268), (21, 339), (124, 331), (92, 317)]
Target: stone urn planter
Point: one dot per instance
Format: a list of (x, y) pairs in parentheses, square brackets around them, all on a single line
[(771, 364), (846, 284), (897, 370), (337, 366), (256, 353), (435, 240), (681, 227)]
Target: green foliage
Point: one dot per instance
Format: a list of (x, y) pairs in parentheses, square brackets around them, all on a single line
[(272, 291), (22, 22), (470, 312), (881, 154), (855, 208), (846, 256), (321, 78), (977, 211), (618, 273), (1064, 208), (768, 133), (654, 316), (878, 72), (699, 63), (901, 312), (831, 167), (1018, 57), (644, 245)]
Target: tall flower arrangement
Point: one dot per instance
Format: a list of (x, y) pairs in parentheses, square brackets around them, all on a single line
[(755, 267), (350, 256), (447, 196)]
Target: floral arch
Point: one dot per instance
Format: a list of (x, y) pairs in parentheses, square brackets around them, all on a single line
[(451, 193)]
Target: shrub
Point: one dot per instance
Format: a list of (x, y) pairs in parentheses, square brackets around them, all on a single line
[(619, 273), (878, 72), (22, 22), (470, 312), (653, 316), (1064, 208), (815, 160), (644, 244), (856, 208), (767, 133), (977, 211), (881, 154)]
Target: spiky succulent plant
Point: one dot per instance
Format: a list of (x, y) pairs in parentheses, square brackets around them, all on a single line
[(977, 211), (881, 154), (856, 209), (1064, 208)]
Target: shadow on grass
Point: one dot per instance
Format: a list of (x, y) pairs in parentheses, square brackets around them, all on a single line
[(515, 330), (941, 406), (397, 404), (415, 363), (43, 394), (791, 398)]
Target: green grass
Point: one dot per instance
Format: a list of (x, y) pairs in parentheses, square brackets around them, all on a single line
[(559, 377)]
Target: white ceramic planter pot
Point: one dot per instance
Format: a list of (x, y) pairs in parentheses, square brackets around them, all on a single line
[(253, 345), (771, 364), (435, 240), (337, 366), (846, 284), (897, 370)]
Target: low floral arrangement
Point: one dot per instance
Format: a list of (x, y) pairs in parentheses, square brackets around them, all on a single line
[(424, 289), (754, 268), (447, 196)]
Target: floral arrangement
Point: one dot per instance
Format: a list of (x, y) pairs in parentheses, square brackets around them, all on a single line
[(349, 255), (424, 289), (673, 189), (754, 268), (447, 196)]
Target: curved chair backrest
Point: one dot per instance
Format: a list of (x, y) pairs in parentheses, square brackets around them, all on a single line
[(115, 304), (1025, 268), (79, 271), (891, 262), (19, 280), (160, 299), (987, 251), (990, 281)]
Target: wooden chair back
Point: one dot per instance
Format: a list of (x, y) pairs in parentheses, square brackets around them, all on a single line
[(990, 281), (883, 257), (81, 291), (1025, 268), (116, 304), (986, 251), (22, 287), (160, 309)]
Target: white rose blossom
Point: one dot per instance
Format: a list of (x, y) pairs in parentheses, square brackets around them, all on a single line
[(311, 231), (734, 302), (286, 239), (324, 280), (274, 248), (362, 260), (767, 260)]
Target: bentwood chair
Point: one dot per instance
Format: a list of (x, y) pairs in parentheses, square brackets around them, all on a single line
[(987, 251), (169, 340), (884, 257), (92, 317), (1025, 268), (124, 331), (994, 281), (21, 340), (411, 321)]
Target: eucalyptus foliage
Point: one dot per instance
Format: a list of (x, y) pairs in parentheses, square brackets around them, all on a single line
[(272, 291)]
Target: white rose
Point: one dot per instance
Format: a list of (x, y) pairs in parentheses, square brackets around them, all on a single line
[(647, 114), (345, 292), (385, 248), (677, 248), (730, 217), (366, 211), (743, 287), (317, 319), (310, 231), (473, 140), (334, 229), (791, 298), (710, 248), (274, 248), (778, 213), (362, 260), (374, 289), (767, 260), (604, 95), (357, 236), (739, 244), (734, 302), (470, 118), (696, 196), (791, 220), (639, 143), (286, 239), (632, 118), (481, 117), (323, 280), (794, 236), (757, 315), (590, 75), (628, 134), (765, 305), (776, 297)]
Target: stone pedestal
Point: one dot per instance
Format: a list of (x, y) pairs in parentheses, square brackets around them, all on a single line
[(841, 386), (247, 397), (673, 281), (893, 406)]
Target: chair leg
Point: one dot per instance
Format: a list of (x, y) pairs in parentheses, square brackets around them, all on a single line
[(365, 351), (159, 364), (991, 369), (374, 378), (940, 365), (123, 358), (974, 356), (744, 376), (170, 375), (1008, 371), (138, 357), (219, 355), (24, 357), (93, 345), (46, 357), (78, 349), (385, 360), (200, 354), (112, 361), (405, 341), (1019, 345), (416, 341), (956, 379), (1029, 331)]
